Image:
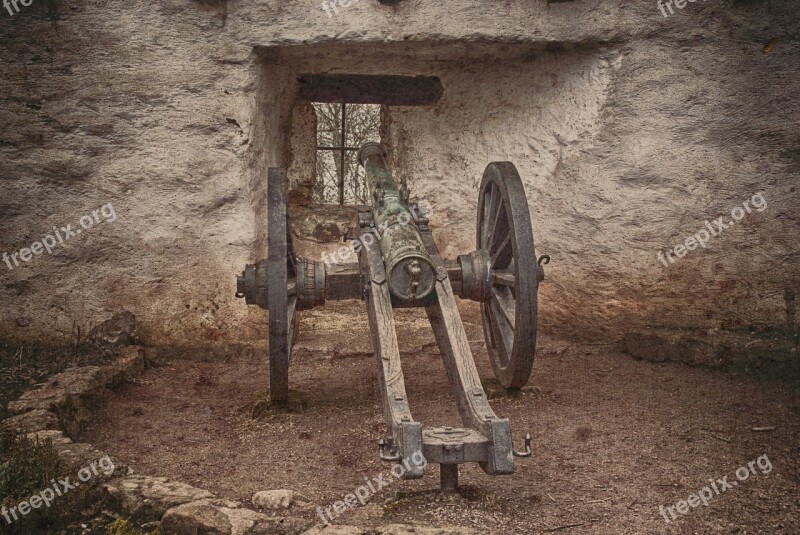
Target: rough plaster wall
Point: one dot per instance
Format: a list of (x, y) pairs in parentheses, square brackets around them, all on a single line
[(537, 113), (271, 115), (143, 107), (164, 110), (689, 135), (302, 169)]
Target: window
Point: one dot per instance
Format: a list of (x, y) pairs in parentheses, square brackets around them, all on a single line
[(341, 130)]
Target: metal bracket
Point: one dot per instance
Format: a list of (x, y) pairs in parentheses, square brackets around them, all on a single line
[(527, 451), (543, 260), (393, 457)]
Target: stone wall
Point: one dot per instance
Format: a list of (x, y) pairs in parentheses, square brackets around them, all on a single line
[(630, 130)]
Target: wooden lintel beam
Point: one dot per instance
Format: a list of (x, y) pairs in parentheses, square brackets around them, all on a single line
[(370, 89)]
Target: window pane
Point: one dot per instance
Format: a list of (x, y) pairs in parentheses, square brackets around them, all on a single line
[(329, 124), (355, 185), (363, 124), (326, 190)]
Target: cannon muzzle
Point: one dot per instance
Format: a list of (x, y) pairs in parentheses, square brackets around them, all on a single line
[(409, 270)]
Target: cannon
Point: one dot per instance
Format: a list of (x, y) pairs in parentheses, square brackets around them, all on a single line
[(404, 269)]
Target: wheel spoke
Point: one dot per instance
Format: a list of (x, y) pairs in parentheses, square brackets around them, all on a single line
[(501, 208), (498, 344), (487, 206), (503, 342), (503, 306), (506, 244), (488, 317), (490, 215), (502, 324)]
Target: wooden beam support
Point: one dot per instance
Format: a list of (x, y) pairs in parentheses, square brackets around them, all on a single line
[(370, 89), (471, 400), (406, 433)]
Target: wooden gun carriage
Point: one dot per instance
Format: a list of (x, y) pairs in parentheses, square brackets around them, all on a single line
[(405, 269)]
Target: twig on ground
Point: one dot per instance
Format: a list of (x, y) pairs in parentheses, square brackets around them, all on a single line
[(762, 429), (563, 527), (19, 354)]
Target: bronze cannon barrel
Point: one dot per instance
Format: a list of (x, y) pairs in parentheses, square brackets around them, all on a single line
[(409, 270)]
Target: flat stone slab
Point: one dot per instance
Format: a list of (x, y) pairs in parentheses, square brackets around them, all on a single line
[(278, 499), (225, 517), (74, 393), (128, 365), (196, 517), (32, 421), (148, 498), (57, 391), (713, 348), (77, 455), (56, 436)]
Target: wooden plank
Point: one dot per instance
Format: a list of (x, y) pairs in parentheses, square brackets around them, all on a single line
[(406, 432), (471, 400), (370, 89), (452, 341)]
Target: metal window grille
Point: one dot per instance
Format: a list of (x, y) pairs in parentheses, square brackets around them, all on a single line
[(341, 130)]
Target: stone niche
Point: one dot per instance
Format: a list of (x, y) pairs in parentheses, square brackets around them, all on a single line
[(533, 105), (591, 127)]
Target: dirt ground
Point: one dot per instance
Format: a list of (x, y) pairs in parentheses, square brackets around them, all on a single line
[(613, 438)]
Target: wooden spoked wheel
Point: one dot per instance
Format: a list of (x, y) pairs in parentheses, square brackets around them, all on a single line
[(509, 310)]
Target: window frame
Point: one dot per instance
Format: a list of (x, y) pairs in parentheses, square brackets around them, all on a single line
[(342, 150)]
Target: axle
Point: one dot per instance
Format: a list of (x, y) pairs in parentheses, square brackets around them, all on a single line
[(409, 269)]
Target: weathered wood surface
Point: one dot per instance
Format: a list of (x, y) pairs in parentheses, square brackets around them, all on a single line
[(280, 317), (406, 432), (473, 404), (370, 89)]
